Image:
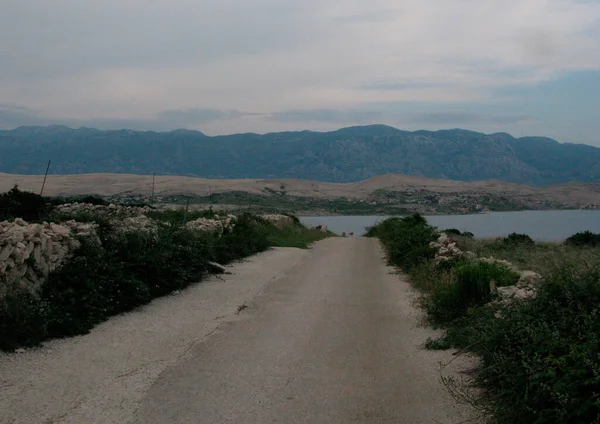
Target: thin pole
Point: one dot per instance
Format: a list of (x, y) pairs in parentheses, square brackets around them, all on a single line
[(153, 179), (187, 204), (45, 176)]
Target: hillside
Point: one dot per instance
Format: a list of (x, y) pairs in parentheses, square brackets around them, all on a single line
[(379, 195), (347, 155)]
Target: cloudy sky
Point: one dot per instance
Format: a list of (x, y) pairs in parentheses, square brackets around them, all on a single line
[(528, 67)]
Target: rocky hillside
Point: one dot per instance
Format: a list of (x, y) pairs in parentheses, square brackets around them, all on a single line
[(349, 154)]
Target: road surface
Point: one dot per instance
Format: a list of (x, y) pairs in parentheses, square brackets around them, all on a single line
[(328, 335)]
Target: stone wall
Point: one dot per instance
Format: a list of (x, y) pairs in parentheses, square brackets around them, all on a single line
[(100, 210), (29, 252), (219, 224), (280, 221)]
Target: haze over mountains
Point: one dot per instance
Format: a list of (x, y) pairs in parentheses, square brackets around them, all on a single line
[(346, 155)]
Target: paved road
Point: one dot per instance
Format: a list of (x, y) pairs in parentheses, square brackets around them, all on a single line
[(334, 339)]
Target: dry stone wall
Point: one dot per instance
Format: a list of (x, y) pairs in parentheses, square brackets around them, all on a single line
[(218, 224), (30, 252), (101, 210), (280, 221)]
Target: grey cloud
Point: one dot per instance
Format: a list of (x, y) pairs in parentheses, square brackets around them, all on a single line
[(468, 118), (12, 116), (372, 16), (397, 85), (540, 43), (110, 35), (326, 116)]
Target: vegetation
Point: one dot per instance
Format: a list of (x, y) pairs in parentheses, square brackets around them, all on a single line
[(455, 232), (515, 239), (540, 357), (586, 238), (544, 258), (21, 204), (406, 239), (129, 269)]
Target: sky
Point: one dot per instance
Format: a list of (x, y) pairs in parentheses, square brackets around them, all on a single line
[(526, 67)]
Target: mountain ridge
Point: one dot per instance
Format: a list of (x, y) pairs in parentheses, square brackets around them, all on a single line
[(345, 155)]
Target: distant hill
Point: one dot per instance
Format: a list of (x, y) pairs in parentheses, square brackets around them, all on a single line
[(346, 155)]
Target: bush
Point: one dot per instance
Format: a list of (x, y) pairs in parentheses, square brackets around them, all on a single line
[(22, 204), (452, 232), (540, 361), (406, 240), (586, 238), (466, 285), (518, 239), (23, 320), (540, 357)]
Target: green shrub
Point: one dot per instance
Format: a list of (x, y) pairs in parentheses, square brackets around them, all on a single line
[(518, 239), (541, 359), (586, 238), (23, 320), (406, 240), (94, 285), (467, 284), (22, 204), (452, 232)]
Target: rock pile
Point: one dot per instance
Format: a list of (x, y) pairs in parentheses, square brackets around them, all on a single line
[(446, 249), (280, 221), (526, 288), (134, 223), (29, 252), (217, 224), (101, 210)]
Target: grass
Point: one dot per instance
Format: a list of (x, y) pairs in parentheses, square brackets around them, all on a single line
[(540, 357), (542, 257), (130, 269)]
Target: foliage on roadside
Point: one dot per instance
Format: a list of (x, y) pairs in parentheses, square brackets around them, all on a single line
[(406, 240), (22, 204), (130, 269), (540, 357)]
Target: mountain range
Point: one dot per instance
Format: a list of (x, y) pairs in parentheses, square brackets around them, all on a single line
[(346, 155)]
